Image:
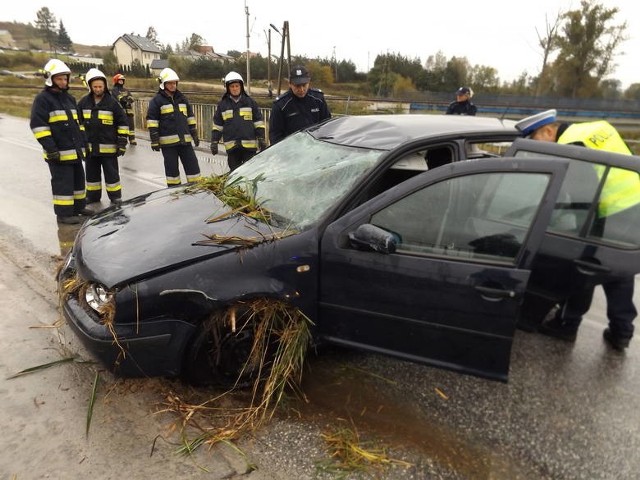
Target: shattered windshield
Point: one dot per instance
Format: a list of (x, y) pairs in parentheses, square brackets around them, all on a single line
[(300, 178)]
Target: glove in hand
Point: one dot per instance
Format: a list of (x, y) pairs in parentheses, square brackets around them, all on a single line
[(196, 140), (155, 148), (53, 156), (262, 144), (214, 148), (121, 151)]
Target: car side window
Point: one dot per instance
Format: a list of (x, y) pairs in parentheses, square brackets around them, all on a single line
[(484, 216)]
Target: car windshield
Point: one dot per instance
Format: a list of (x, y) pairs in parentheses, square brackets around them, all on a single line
[(300, 178)]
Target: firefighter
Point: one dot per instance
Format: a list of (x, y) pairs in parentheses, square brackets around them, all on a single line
[(107, 131), (619, 201), (299, 107), (172, 128), (122, 94), (55, 124), (238, 120)]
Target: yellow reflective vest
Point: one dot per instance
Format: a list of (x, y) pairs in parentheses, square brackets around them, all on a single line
[(622, 187)]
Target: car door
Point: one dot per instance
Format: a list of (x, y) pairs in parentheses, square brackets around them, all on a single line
[(434, 270), (583, 244)]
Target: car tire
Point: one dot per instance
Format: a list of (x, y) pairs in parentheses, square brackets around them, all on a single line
[(217, 356)]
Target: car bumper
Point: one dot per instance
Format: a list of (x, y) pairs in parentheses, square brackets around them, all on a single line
[(153, 348)]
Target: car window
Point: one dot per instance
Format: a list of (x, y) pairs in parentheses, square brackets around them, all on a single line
[(300, 178), (483, 217), (595, 203)]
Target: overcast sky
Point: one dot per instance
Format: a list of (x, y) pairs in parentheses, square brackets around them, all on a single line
[(496, 33)]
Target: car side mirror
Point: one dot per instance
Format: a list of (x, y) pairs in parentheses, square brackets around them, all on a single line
[(370, 237)]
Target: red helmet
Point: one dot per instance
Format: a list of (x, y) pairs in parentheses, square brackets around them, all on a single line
[(117, 77)]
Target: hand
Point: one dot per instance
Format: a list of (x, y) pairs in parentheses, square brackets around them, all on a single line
[(122, 141), (53, 156), (155, 148), (196, 140), (262, 144), (214, 148), (121, 151)]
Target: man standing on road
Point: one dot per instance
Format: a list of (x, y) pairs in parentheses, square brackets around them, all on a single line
[(462, 104), (238, 120), (55, 124), (297, 108), (621, 196), (106, 127), (172, 127)]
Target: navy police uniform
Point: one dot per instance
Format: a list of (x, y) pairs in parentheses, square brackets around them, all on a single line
[(291, 113)]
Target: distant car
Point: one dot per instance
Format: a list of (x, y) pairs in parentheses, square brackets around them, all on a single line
[(376, 231), (6, 72)]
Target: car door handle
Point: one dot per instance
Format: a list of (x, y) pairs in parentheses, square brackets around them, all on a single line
[(495, 294), (589, 268)]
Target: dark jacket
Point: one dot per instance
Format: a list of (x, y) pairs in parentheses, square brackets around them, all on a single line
[(239, 123), (290, 113), (56, 125), (170, 120), (123, 96), (103, 124), (461, 108)]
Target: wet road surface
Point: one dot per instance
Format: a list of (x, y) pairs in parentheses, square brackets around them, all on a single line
[(569, 411)]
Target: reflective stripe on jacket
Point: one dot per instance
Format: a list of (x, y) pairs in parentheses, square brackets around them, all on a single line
[(170, 119), (103, 123)]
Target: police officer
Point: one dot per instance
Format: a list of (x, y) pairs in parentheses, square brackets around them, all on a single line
[(239, 121), (462, 104), (297, 108), (123, 95), (172, 128), (55, 124), (107, 130), (621, 194)]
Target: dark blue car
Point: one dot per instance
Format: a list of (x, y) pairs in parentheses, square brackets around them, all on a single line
[(376, 231)]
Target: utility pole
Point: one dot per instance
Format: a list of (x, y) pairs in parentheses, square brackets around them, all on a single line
[(285, 38), (246, 10), (269, 86)]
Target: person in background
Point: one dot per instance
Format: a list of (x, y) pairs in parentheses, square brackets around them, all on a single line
[(621, 193), (238, 121), (172, 128), (122, 94), (462, 104), (297, 108), (56, 126), (106, 127)]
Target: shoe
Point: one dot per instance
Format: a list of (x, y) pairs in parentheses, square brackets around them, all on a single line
[(557, 328), (133, 142), (70, 220), (116, 201), (86, 212), (616, 342)]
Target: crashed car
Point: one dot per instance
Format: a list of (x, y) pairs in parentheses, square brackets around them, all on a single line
[(372, 226)]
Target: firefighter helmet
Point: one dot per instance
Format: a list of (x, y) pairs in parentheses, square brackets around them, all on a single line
[(93, 74), (167, 75), (233, 77), (55, 67), (117, 77)]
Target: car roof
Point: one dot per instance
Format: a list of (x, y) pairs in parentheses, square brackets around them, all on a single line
[(385, 132)]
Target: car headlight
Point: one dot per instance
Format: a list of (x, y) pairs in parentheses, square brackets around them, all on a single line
[(97, 297)]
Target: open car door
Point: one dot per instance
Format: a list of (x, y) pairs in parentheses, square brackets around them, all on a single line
[(434, 270), (594, 233)]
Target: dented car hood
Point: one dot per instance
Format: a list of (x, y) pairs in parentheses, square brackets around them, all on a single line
[(155, 232)]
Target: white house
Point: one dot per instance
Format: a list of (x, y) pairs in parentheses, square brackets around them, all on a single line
[(129, 47)]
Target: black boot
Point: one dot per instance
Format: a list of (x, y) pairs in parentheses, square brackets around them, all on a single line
[(616, 342)]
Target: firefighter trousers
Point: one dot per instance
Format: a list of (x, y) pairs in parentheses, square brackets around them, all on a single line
[(187, 156), (68, 188), (95, 165)]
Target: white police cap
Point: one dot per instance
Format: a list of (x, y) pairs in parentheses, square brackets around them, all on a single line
[(530, 124)]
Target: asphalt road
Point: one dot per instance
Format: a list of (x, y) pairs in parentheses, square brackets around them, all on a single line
[(569, 411)]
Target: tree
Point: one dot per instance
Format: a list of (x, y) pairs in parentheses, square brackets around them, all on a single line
[(152, 35), (46, 25), (549, 43), (587, 49), (64, 42)]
